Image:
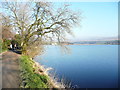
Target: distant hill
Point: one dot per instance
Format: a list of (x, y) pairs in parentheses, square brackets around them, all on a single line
[(89, 42), (108, 42), (96, 41)]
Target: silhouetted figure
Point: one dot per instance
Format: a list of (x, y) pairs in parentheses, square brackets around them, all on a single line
[(13, 46)]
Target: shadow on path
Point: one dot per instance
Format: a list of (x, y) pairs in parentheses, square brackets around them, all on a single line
[(16, 51)]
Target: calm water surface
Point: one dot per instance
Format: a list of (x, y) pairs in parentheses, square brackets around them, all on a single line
[(87, 66)]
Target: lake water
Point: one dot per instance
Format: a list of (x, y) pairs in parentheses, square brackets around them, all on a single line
[(87, 66)]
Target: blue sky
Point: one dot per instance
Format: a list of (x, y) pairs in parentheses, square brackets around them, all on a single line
[(100, 20)]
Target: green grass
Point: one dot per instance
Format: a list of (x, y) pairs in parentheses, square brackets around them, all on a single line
[(30, 79), (3, 48)]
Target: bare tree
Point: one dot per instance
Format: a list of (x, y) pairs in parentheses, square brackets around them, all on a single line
[(5, 27), (40, 21)]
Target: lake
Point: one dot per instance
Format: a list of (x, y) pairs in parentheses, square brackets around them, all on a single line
[(87, 66)]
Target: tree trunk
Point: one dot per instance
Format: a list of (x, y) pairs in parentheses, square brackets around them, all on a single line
[(25, 45), (24, 49)]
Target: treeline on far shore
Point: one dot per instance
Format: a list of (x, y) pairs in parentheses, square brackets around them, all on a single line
[(112, 42)]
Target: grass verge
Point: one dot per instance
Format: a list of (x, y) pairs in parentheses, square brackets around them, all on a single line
[(1, 51), (30, 78), (2, 47)]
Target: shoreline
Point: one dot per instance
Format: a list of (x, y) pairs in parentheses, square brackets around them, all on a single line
[(52, 80), (33, 72)]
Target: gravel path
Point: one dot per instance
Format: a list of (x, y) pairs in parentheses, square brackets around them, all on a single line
[(10, 70)]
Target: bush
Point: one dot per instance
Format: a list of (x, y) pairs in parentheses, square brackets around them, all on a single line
[(4, 45), (30, 79)]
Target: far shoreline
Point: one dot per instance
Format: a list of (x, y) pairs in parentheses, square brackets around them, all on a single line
[(90, 44), (82, 44)]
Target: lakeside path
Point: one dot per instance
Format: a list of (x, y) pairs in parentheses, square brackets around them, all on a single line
[(10, 70)]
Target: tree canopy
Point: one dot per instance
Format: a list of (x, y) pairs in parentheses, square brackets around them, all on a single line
[(37, 22)]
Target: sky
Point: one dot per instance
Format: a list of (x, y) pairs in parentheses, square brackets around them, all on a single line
[(99, 20)]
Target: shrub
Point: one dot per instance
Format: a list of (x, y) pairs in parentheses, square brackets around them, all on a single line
[(4, 45)]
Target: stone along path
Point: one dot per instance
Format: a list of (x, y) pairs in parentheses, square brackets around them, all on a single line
[(10, 70)]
